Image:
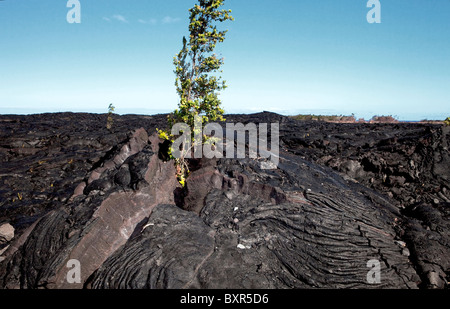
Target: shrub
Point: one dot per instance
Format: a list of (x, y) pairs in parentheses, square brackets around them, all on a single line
[(195, 66), (110, 120), (447, 121), (384, 119)]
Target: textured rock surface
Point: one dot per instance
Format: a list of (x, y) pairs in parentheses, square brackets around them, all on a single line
[(407, 162), (275, 236), (343, 194), (93, 225), (6, 233)]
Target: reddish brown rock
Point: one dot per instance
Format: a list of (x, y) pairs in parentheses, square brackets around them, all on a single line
[(93, 226)]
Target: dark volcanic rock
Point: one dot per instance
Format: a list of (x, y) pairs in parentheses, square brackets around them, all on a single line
[(167, 253), (251, 234), (343, 195), (92, 225), (408, 162), (43, 158)]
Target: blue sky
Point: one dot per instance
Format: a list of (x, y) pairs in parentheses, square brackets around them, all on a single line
[(290, 56)]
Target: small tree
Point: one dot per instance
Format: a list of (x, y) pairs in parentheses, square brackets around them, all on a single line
[(196, 65), (110, 120)]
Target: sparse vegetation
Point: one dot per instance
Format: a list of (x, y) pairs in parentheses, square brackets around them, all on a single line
[(110, 120), (384, 119), (196, 83), (447, 121), (346, 119), (326, 118)]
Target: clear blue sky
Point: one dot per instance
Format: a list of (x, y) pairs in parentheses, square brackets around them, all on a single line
[(290, 56)]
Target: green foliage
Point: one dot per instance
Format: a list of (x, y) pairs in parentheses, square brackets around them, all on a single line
[(110, 120), (196, 66), (447, 121)]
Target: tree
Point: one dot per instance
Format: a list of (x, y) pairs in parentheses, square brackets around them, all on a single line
[(110, 120), (196, 66)]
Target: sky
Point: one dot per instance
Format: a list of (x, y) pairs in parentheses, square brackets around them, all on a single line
[(289, 57)]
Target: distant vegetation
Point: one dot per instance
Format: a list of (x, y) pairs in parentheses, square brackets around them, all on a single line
[(325, 118), (447, 121), (384, 119), (345, 119)]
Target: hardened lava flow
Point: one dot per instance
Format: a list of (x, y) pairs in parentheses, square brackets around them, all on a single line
[(342, 195)]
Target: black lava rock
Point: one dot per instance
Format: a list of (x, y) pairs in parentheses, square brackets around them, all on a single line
[(341, 197)]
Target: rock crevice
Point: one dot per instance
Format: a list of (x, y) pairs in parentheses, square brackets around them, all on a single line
[(335, 202)]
